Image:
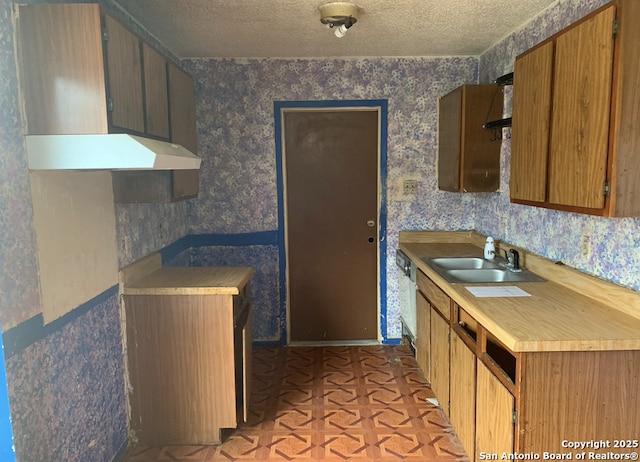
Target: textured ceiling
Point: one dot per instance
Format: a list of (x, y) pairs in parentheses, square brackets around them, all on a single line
[(292, 28)]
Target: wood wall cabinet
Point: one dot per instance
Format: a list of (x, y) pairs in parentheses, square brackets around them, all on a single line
[(83, 72), (156, 93), (167, 186), (182, 94), (468, 155), (575, 117)]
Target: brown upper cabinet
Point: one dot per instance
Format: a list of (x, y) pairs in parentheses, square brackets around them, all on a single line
[(186, 183), (468, 155), (156, 96), (575, 137), (82, 72)]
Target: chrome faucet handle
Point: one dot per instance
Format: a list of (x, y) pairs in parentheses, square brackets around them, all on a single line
[(509, 257), (515, 259)]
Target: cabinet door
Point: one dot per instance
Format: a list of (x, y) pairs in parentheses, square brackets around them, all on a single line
[(462, 412), (531, 122), (581, 112), (182, 112), (494, 414), (449, 140), (61, 68), (440, 359), (182, 108), (468, 157), (423, 336), (155, 89), (124, 69)]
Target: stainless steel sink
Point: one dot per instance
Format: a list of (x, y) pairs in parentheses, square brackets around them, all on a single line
[(462, 262), (492, 275), (470, 270)]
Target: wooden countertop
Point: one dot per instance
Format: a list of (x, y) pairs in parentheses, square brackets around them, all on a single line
[(148, 277), (554, 318)]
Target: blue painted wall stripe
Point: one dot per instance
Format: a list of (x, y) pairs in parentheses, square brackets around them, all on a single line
[(211, 240), (238, 240), (18, 338)]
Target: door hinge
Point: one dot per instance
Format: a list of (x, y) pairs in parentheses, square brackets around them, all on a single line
[(514, 417), (105, 34), (616, 27), (606, 189), (110, 104)]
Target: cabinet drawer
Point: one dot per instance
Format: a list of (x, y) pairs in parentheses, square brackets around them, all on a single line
[(438, 299), (465, 326)]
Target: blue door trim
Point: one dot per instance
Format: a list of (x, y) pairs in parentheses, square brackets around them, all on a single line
[(382, 105)]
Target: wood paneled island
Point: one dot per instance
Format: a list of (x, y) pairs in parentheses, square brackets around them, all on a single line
[(188, 333)]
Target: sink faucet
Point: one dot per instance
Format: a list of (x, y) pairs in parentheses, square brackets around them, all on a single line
[(513, 260)]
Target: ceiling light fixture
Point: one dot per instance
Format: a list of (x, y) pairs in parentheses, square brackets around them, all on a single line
[(339, 15)]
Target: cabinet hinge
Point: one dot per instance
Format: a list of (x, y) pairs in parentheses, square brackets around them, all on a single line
[(606, 189), (105, 34), (616, 27), (110, 104), (514, 417)]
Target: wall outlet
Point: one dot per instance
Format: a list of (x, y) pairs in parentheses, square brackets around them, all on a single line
[(409, 187), (127, 246), (586, 245)]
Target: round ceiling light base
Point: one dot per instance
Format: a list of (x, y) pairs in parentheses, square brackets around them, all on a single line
[(337, 13)]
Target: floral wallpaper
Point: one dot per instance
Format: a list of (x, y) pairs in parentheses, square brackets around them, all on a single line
[(19, 288), (235, 114), (67, 389)]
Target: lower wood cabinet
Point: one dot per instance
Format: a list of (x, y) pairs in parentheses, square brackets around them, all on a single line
[(440, 358), (462, 399), (505, 402), (189, 362), (423, 341), (494, 415)]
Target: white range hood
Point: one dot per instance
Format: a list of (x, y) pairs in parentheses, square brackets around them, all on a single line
[(106, 152)]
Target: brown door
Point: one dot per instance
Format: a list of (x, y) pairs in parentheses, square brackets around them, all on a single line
[(331, 171)]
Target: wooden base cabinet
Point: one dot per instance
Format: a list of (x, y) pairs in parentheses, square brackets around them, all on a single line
[(189, 367), (494, 415), (440, 358), (462, 401), (504, 402), (423, 341)]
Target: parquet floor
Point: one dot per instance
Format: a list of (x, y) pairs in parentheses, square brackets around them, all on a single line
[(364, 403)]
